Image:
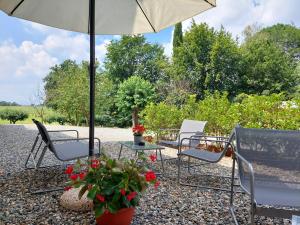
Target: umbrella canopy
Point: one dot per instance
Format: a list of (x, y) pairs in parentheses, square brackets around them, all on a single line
[(105, 17), (111, 16)]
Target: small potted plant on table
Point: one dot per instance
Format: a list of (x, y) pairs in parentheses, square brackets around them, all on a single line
[(114, 186), (138, 131)]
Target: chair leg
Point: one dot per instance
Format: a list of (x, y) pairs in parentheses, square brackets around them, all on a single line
[(31, 151), (189, 165), (231, 207), (178, 164)]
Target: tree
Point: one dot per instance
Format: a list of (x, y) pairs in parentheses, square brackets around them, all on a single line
[(286, 36), (225, 66), (132, 55), (133, 95), (267, 68), (192, 58), (177, 37)]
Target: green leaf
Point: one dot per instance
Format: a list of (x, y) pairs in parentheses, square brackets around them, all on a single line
[(99, 210), (92, 193)]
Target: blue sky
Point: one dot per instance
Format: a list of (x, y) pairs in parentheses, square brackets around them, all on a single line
[(28, 50)]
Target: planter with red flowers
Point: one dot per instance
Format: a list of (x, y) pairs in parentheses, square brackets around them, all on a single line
[(138, 131), (114, 186)]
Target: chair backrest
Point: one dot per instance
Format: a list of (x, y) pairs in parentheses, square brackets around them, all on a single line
[(44, 134), (274, 155), (195, 126)]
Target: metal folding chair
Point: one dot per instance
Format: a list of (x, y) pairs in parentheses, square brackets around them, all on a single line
[(64, 149), (269, 171)]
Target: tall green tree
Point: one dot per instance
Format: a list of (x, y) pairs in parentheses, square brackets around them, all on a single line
[(177, 37), (267, 68), (225, 66), (132, 55)]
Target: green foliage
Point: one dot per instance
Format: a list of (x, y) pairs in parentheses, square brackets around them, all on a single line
[(161, 115), (132, 55), (273, 111), (286, 36), (13, 115), (177, 37), (133, 95), (5, 103), (57, 119), (220, 115), (267, 67)]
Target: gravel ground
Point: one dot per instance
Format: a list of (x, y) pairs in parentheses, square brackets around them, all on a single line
[(170, 204)]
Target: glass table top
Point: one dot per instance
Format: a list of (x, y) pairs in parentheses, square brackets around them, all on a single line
[(147, 146)]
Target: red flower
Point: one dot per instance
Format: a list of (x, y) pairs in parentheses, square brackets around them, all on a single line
[(131, 196), (95, 163), (106, 212), (73, 176), (69, 170), (82, 175), (150, 176), (157, 183), (123, 192), (138, 129), (100, 198), (153, 157), (67, 188)]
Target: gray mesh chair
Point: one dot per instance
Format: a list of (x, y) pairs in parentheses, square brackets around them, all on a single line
[(64, 149), (201, 153), (269, 171), (188, 129)]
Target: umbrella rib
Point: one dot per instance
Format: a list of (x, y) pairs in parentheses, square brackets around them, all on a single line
[(209, 3), (145, 15), (17, 6)]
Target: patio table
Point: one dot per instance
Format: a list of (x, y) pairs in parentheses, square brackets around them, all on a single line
[(142, 148)]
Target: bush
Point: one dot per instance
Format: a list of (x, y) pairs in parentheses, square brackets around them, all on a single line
[(161, 115), (57, 119), (13, 115)]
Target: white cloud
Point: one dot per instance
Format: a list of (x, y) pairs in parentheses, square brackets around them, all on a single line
[(23, 66), (236, 15)]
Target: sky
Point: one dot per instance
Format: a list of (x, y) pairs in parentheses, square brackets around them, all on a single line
[(28, 50)]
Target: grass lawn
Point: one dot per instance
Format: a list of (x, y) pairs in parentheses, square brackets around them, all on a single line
[(28, 109)]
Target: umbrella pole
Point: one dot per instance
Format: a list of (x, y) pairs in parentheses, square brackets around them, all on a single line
[(92, 76)]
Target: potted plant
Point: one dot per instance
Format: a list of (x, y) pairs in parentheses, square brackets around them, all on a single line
[(138, 131), (114, 186)]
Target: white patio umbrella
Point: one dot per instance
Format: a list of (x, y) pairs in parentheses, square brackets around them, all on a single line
[(105, 17)]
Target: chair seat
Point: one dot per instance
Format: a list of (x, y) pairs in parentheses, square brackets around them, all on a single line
[(202, 155), (272, 195), (71, 150)]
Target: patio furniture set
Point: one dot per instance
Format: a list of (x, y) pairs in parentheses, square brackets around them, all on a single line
[(267, 162)]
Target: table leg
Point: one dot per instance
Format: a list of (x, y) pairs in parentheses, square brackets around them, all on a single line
[(162, 161), (120, 151)]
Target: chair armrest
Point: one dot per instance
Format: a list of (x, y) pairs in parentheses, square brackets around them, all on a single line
[(237, 157), (61, 131), (78, 139)]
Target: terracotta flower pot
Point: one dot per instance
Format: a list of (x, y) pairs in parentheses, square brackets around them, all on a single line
[(122, 217)]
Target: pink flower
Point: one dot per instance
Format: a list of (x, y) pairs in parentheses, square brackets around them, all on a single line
[(123, 192), (69, 170), (131, 196), (101, 198), (150, 176), (153, 157)]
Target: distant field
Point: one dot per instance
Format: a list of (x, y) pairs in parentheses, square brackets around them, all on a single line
[(30, 110)]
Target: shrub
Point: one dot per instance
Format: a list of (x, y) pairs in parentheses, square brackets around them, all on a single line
[(161, 115), (59, 119), (13, 115)]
